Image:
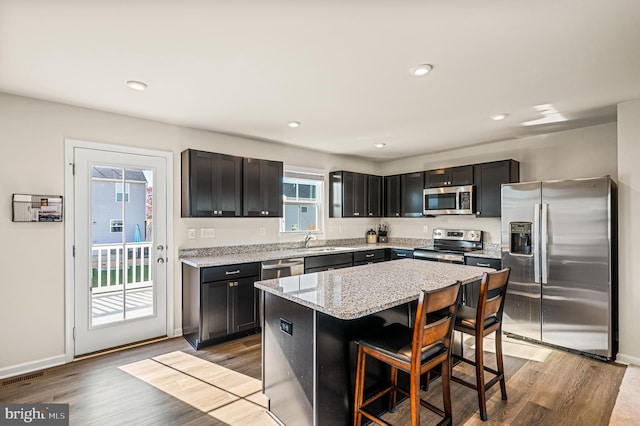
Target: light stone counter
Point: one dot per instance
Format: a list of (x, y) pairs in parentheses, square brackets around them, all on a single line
[(489, 253), (358, 291), (261, 256)]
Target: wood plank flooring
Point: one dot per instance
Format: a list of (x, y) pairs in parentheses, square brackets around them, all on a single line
[(545, 387)]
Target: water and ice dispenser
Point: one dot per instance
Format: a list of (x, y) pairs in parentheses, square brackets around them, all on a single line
[(521, 237)]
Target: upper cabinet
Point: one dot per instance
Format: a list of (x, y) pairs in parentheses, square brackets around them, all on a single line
[(262, 187), (355, 194), (211, 184), (411, 190), (488, 179), (452, 176), (374, 196), (392, 196)]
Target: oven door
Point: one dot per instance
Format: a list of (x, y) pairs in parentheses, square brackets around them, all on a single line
[(435, 256)]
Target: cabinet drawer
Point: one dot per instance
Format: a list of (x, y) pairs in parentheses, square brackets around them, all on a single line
[(327, 268), (328, 260), (230, 272), (401, 254), (368, 255), (483, 261)]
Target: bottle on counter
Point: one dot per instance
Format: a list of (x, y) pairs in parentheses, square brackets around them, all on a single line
[(371, 237)]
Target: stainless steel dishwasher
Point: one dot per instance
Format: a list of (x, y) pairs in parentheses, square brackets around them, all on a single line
[(281, 268)]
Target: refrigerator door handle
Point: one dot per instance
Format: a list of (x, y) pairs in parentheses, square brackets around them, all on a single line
[(544, 236), (536, 243)]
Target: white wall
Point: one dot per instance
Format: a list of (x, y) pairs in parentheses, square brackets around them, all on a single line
[(629, 230), (32, 286), (585, 152), (33, 132)]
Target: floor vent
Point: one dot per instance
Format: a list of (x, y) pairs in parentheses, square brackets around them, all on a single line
[(23, 378)]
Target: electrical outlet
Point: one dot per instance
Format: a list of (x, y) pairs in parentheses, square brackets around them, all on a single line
[(207, 233), (425, 229), (262, 232), (192, 234)]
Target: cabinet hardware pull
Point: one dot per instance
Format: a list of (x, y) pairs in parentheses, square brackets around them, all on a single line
[(401, 255), (237, 271), (370, 255), (484, 264)]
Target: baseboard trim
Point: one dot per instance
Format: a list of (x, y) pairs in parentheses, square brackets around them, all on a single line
[(32, 366), (627, 359)]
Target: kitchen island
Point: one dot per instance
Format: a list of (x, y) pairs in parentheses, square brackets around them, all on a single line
[(311, 320)]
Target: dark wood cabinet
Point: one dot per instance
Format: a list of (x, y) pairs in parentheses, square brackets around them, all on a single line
[(219, 303), (411, 190), (365, 257), (262, 187), (374, 196), (354, 194), (327, 262), (392, 196), (395, 254), (488, 178), (452, 176), (211, 184)]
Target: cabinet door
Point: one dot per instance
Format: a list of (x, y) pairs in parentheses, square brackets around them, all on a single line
[(374, 196), (216, 316), (411, 189), (489, 178), (244, 305), (211, 184), (392, 196), (452, 176), (353, 194), (262, 187)]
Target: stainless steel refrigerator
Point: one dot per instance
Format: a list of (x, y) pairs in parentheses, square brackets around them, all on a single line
[(559, 238)]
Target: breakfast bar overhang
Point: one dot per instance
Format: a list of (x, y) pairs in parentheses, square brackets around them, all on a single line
[(310, 322)]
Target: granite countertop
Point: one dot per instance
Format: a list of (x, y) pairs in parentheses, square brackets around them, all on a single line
[(358, 291), (489, 253), (261, 256)]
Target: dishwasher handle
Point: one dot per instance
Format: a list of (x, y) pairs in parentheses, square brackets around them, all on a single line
[(267, 266)]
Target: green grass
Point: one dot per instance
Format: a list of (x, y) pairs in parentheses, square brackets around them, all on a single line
[(112, 272)]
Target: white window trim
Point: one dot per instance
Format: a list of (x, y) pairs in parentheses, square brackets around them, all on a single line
[(314, 175)]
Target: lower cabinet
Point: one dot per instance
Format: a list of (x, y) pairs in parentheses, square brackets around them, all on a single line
[(472, 291), (395, 254), (327, 261), (219, 303), (368, 256)]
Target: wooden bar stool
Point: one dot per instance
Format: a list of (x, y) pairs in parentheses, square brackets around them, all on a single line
[(480, 322), (414, 351)]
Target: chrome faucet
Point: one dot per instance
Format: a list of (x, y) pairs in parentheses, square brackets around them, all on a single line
[(308, 238)]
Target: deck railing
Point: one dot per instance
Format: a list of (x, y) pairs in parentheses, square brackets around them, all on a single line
[(116, 266)]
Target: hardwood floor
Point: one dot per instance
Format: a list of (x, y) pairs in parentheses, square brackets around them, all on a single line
[(544, 386)]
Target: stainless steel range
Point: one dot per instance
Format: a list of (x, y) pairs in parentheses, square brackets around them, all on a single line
[(450, 245)]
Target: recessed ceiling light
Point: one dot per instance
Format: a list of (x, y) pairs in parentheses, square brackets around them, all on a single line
[(293, 124), (498, 117), (380, 145), (421, 70), (136, 85)]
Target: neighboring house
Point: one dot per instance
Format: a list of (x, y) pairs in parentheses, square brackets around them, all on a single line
[(108, 192)]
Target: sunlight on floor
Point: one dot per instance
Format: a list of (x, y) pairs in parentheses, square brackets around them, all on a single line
[(224, 394), (513, 347)]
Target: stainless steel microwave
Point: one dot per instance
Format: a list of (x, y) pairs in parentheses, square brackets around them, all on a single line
[(448, 200)]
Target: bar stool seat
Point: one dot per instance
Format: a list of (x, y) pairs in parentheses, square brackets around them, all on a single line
[(480, 322), (415, 351)]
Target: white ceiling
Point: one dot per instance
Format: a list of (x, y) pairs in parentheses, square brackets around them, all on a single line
[(341, 68)]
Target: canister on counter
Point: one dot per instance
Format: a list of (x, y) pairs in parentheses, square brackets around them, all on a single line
[(371, 237)]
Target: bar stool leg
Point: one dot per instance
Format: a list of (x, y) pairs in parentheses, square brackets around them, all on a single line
[(392, 394), (414, 396), (482, 397), (446, 389), (359, 388), (503, 385)]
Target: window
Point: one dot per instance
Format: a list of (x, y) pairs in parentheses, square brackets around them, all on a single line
[(119, 194), (116, 225), (302, 201)]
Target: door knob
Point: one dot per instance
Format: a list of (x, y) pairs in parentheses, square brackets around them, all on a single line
[(161, 260), (160, 247)]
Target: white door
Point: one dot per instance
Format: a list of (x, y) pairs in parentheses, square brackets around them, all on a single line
[(120, 238)]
